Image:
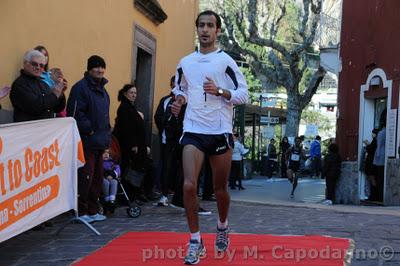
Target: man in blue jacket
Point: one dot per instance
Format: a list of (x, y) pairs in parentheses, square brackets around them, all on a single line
[(89, 104), (315, 155)]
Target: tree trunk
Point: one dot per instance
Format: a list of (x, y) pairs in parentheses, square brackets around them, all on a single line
[(292, 118)]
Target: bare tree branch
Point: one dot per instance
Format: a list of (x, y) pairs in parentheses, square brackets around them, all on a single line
[(312, 86), (275, 25), (306, 16), (254, 36), (316, 9)]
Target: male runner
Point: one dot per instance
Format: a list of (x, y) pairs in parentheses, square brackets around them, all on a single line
[(210, 82), (294, 155)]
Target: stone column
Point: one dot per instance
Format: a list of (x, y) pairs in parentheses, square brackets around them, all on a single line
[(347, 185), (392, 183)]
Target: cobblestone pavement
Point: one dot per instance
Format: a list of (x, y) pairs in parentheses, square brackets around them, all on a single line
[(371, 232)]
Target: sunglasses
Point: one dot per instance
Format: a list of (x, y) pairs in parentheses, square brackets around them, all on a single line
[(35, 64)]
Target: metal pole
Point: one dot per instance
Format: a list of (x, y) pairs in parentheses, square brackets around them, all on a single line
[(253, 143)]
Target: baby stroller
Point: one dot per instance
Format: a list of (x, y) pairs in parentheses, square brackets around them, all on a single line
[(132, 210)]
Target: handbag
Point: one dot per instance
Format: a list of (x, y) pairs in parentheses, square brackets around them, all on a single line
[(134, 177)]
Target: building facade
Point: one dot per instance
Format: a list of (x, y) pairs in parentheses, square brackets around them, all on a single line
[(140, 40), (368, 90)]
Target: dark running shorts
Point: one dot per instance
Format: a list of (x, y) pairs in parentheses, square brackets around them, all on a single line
[(294, 165), (209, 144)]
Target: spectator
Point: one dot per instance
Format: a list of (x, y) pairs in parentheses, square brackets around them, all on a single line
[(45, 76), (272, 158), (57, 76), (369, 168), (284, 146), (49, 77), (379, 160), (89, 104), (31, 98), (168, 161), (331, 170), (112, 172), (4, 92), (315, 155), (237, 156), (130, 131)]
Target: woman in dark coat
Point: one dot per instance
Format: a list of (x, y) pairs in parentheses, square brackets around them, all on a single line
[(130, 131), (331, 169)]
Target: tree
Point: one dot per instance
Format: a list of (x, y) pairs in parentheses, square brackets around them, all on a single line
[(316, 118), (276, 38)]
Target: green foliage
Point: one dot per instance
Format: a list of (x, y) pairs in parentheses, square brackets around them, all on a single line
[(253, 83), (315, 117)]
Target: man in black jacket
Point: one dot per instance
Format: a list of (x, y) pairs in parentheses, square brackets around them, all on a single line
[(163, 118), (89, 104), (31, 98)]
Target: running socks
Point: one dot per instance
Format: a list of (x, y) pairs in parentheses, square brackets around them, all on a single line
[(195, 236), (222, 225)]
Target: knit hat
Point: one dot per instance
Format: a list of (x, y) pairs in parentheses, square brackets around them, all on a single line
[(95, 61)]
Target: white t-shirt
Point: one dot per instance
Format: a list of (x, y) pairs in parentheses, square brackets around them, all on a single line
[(206, 113), (238, 151)]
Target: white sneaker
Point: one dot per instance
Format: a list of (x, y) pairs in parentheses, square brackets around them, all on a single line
[(98, 217), (163, 201), (203, 211), (327, 202), (86, 218)]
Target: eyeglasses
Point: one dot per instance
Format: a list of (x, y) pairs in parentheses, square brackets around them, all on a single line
[(35, 64)]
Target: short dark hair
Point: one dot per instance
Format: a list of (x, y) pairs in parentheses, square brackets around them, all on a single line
[(172, 80), (209, 13), (124, 89), (318, 137)]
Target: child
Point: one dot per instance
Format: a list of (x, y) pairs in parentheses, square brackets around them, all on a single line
[(57, 76), (112, 171)]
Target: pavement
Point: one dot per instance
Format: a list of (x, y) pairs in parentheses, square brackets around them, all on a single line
[(375, 230)]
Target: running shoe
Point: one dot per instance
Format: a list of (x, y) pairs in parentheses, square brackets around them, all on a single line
[(203, 211), (195, 251), (222, 240), (163, 201)]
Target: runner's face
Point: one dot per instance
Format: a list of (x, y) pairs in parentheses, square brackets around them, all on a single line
[(207, 30), (298, 142)]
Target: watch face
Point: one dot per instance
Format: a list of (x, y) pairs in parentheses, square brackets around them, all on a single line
[(220, 92)]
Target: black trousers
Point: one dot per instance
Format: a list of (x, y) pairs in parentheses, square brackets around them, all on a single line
[(235, 174), (271, 167), (170, 165), (316, 165), (177, 199), (90, 182), (331, 187), (377, 191)]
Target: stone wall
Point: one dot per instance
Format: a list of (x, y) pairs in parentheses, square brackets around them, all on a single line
[(392, 195), (347, 186)]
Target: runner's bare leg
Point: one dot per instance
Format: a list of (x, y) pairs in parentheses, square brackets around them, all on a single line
[(192, 160), (221, 165)]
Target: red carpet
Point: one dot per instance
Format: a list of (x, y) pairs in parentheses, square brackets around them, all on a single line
[(168, 248)]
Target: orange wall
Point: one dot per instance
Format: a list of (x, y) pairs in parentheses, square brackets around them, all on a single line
[(72, 30)]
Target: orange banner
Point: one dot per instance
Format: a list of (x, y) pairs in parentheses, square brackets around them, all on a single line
[(29, 200)]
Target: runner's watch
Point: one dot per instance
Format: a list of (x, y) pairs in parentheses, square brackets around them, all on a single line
[(220, 91)]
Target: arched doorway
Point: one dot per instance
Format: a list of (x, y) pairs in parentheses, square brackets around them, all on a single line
[(375, 97)]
